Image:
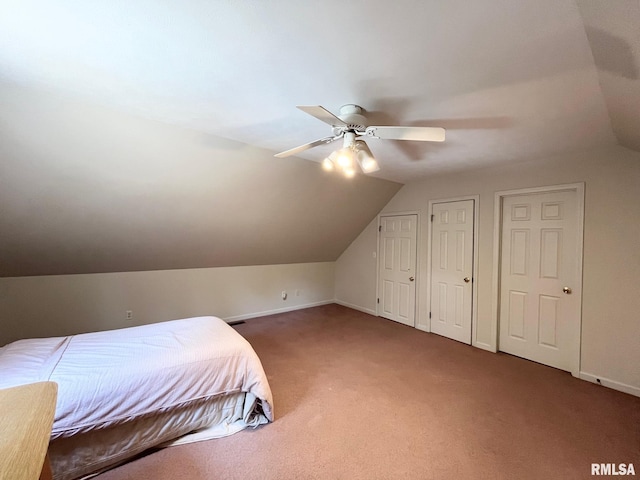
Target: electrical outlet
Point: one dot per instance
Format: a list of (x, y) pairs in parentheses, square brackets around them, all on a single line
[(284, 295), (129, 314)]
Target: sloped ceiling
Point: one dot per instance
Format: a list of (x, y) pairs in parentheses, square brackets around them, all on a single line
[(88, 189), (613, 30), (139, 135)]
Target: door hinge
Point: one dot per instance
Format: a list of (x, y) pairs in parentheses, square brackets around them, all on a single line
[(379, 228), (378, 300), (429, 314), (432, 217)]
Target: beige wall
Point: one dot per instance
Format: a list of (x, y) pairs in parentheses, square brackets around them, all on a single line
[(611, 304), (356, 271), (66, 304)]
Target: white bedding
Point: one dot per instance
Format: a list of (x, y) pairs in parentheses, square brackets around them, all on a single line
[(110, 378)]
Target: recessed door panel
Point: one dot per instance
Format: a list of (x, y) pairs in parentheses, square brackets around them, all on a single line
[(406, 255), (548, 321), (551, 249), (404, 303), (389, 256), (387, 296), (443, 259), (442, 302), (460, 251), (517, 303), (519, 252), (458, 317)]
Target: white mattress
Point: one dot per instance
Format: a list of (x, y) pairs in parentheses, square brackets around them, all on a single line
[(110, 378)]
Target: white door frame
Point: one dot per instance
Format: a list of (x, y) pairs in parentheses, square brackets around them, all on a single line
[(497, 251), (474, 276), (417, 269)]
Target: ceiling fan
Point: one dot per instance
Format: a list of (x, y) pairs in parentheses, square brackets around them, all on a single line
[(350, 125)]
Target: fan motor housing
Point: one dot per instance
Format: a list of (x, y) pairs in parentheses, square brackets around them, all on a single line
[(352, 115)]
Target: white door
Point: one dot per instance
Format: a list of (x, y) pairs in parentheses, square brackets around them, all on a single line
[(540, 279), (397, 268), (452, 269)]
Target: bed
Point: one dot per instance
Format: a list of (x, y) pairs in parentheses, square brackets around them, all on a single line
[(124, 391)]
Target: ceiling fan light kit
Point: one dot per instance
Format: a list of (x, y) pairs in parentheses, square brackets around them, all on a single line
[(351, 124), (353, 151)]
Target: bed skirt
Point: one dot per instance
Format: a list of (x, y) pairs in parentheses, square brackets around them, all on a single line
[(87, 454)]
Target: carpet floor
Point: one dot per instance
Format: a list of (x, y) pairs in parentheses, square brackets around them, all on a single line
[(360, 397)]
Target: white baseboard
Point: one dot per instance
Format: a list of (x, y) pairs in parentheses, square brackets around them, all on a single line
[(246, 316), (622, 387), (356, 307)]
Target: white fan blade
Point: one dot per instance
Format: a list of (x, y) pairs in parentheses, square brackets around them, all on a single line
[(421, 134), (307, 146), (323, 114)]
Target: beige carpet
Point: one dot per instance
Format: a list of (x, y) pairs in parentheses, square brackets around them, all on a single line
[(360, 397)]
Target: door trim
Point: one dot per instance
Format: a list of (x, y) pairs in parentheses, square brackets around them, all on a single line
[(497, 251), (474, 276), (417, 269)]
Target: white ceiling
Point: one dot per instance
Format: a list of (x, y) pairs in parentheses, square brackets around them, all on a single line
[(510, 81)]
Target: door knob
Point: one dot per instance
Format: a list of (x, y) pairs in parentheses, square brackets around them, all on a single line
[(467, 279), (567, 290), (411, 279)]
